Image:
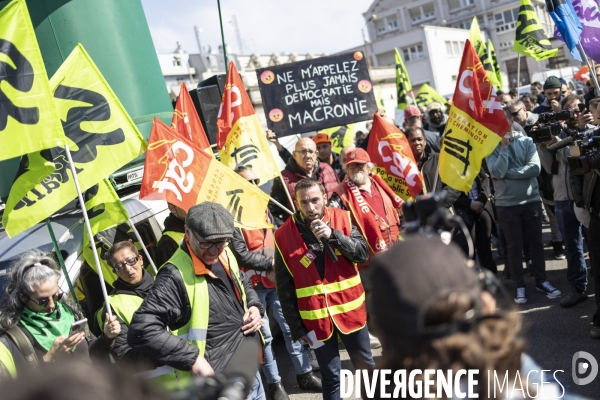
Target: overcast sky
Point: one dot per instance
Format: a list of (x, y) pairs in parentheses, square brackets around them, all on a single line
[(265, 26)]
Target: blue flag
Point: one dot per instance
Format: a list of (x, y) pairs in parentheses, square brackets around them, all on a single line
[(567, 23)]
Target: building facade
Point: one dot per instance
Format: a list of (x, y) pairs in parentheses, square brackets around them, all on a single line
[(406, 25)]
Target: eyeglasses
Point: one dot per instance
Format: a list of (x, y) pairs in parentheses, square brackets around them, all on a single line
[(130, 261), (514, 114), (209, 245), (43, 302), (306, 152)]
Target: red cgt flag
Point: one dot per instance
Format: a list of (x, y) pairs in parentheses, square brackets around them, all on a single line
[(186, 121), (476, 124), (390, 151)]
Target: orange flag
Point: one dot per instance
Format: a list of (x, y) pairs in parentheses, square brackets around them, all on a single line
[(180, 173), (390, 152), (475, 126), (186, 121), (240, 138)]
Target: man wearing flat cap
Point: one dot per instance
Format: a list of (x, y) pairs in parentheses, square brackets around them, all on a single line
[(201, 294)]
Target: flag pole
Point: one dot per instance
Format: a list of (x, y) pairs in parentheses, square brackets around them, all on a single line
[(280, 205), (592, 71), (223, 38), (144, 249), (89, 231), (518, 73), (287, 193), (61, 261)]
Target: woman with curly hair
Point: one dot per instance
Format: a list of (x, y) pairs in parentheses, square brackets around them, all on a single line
[(431, 313), (35, 315)]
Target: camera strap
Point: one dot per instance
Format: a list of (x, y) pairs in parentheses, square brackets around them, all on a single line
[(24, 345)]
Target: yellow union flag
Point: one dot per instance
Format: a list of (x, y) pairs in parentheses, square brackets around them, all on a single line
[(341, 136), (28, 119), (241, 140), (427, 95), (476, 124), (403, 85), (101, 136), (530, 38), (105, 211), (482, 52)]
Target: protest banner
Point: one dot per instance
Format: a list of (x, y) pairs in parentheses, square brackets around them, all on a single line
[(315, 94), (180, 173), (475, 126), (390, 151), (101, 135), (28, 118)]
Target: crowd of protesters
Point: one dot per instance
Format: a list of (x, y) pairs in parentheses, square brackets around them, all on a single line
[(320, 271)]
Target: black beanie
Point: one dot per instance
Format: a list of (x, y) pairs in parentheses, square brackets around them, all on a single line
[(552, 83)]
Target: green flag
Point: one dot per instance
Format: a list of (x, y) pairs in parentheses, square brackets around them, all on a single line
[(403, 85), (482, 51), (495, 64), (427, 95), (530, 39), (105, 211)]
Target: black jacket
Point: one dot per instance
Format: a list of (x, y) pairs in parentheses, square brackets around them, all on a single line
[(428, 166), (166, 246), (255, 260), (462, 205), (354, 248), (167, 306), (121, 351)]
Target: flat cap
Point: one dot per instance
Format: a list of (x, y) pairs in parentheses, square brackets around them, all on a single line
[(210, 221)]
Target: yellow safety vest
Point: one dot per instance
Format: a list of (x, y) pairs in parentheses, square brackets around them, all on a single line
[(176, 236), (196, 329), (124, 305), (7, 360)]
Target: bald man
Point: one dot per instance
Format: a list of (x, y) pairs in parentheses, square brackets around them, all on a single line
[(303, 164)]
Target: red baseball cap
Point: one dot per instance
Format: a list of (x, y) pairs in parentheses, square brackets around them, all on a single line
[(357, 156), (411, 111), (321, 138)]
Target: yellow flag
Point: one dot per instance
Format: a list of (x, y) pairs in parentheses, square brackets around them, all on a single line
[(492, 54), (403, 85), (530, 38), (341, 136), (427, 95), (481, 49), (240, 138), (28, 119), (101, 136), (105, 211)]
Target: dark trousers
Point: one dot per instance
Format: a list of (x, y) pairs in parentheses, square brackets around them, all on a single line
[(483, 232), (328, 356), (593, 237), (518, 222), (571, 230)]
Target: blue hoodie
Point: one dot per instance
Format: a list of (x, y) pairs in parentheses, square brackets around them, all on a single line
[(515, 169)]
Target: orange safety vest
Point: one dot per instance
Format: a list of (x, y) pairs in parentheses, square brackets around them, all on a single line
[(259, 241), (338, 298)]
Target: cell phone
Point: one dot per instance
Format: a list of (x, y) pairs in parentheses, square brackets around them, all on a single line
[(78, 326), (581, 107)]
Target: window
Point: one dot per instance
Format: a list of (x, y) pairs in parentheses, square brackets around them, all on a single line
[(458, 4), (386, 24), (386, 59), (422, 13), (413, 53), (176, 62), (392, 24), (380, 26), (506, 20), (462, 25), (454, 48)]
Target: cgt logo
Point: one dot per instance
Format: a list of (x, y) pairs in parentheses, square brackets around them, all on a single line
[(579, 368)]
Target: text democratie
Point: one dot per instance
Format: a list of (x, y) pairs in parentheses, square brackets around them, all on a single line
[(448, 384)]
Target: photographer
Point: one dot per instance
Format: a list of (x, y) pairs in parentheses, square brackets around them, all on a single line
[(555, 163), (552, 92)]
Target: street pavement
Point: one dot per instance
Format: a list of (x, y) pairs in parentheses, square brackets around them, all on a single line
[(553, 334)]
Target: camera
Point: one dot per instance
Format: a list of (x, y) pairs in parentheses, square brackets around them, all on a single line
[(548, 125), (427, 214), (584, 153)]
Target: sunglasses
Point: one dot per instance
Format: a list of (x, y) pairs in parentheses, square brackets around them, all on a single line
[(43, 302), (130, 261), (514, 114), (209, 245)]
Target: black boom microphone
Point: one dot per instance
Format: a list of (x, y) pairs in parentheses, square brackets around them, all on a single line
[(561, 143)]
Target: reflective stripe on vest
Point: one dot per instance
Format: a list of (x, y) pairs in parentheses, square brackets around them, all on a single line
[(124, 305), (338, 298), (7, 360)]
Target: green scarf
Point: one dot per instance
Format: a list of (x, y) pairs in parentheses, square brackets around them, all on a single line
[(45, 328)]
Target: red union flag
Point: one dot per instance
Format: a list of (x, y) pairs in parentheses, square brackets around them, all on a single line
[(186, 121), (180, 173), (390, 151), (476, 124)]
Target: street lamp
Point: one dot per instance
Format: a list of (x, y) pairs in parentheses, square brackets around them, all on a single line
[(371, 19)]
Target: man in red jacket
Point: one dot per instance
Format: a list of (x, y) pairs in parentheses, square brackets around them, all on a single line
[(303, 164)]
